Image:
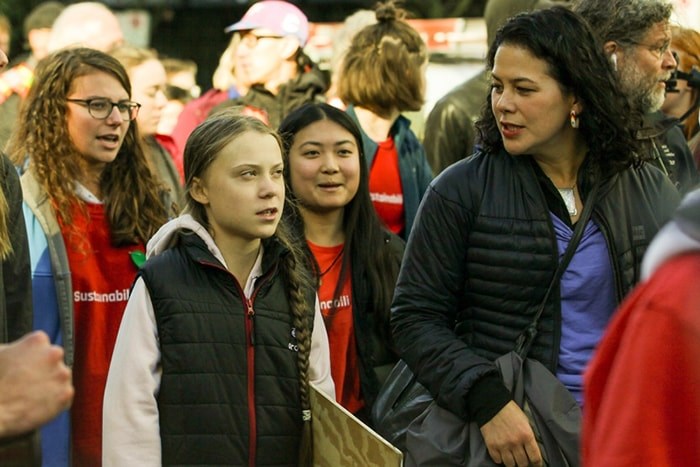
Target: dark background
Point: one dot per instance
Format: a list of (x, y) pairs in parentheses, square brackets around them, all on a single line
[(193, 29)]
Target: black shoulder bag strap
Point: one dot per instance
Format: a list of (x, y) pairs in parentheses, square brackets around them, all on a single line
[(525, 340)]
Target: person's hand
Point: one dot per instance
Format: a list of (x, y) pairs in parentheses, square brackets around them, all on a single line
[(510, 440), (35, 384)]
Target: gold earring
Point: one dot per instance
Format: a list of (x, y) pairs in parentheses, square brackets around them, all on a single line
[(573, 119)]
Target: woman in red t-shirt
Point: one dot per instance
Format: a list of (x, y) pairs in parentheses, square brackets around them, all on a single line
[(91, 203), (355, 258), (383, 75)]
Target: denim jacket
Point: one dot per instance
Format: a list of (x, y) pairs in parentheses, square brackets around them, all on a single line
[(414, 169)]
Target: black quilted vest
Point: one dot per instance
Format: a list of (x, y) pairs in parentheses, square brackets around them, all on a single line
[(207, 408)]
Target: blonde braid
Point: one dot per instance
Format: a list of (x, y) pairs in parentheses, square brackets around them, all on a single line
[(298, 282), (5, 243)]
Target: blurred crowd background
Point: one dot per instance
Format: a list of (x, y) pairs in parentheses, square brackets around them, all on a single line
[(194, 30)]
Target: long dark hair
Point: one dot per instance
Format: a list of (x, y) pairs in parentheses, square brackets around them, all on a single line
[(365, 235), (202, 148), (131, 194), (577, 62)]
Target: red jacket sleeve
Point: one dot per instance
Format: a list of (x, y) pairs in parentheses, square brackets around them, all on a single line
[(642, 389)]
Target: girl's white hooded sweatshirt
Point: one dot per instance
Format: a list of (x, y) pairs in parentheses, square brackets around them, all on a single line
[(131, 432)]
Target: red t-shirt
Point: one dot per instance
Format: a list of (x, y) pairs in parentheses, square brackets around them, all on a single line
[(385, 186), (340, 326), (170, 146), (101, 276)]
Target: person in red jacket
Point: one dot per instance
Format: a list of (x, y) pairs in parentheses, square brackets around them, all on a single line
[(642, 389)]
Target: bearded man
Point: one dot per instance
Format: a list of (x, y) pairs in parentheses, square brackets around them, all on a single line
[(636, 35)]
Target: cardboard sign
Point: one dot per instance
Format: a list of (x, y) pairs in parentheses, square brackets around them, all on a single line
[(341, 439)]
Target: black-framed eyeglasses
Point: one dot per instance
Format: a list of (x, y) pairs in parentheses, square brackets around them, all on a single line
[(100, 108), (658, 50), (251, 40)]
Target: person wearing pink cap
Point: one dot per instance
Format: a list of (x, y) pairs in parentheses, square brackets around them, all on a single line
[(270, 53)]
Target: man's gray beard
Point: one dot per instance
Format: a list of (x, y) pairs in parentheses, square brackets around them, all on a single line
[(650, 102), (643, 98)]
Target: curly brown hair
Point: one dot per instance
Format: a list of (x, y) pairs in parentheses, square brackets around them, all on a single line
[(131, 194)]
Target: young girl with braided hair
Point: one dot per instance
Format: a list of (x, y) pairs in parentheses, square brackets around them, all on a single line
[(220, 338)]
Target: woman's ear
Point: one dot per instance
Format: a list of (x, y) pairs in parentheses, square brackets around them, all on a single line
[(198, 191), (577, 107)]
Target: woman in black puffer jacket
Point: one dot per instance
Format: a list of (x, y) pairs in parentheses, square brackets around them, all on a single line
[(491, 229)]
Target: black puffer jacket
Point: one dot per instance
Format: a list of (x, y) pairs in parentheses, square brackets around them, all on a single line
[(15, 274), (482, 254), (664, 144)]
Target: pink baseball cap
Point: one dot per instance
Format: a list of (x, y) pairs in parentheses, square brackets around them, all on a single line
[(278, 16)]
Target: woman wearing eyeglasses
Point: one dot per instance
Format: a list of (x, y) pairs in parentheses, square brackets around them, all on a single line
[(90, 204)]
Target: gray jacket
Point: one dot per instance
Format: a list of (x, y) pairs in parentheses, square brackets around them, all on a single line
[(44, 235)]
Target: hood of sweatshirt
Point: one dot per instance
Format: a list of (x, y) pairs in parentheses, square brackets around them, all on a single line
[(167, 236), (679, 236)]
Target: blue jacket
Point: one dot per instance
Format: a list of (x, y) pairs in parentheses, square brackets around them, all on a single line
[(53, 306), (414, 169)]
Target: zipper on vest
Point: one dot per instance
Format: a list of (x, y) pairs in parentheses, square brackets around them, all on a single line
[(250, 356), (251, 321)]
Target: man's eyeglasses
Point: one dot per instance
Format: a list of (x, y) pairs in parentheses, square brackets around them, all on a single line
[(658, 50), (101, 108), (251, 40)]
